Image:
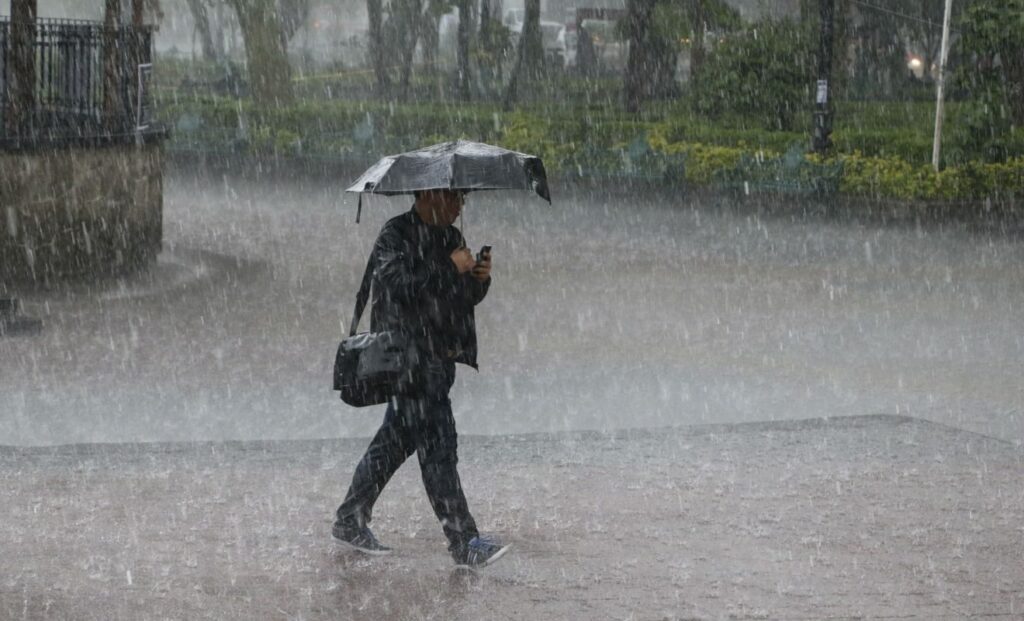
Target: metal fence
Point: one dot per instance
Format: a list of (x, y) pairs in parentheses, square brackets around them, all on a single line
[(68, 98)]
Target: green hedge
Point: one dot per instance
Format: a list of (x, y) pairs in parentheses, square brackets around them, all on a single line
[(889, 163), (895, 178)]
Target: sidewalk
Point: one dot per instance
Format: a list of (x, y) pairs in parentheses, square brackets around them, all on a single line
[(864, 517)]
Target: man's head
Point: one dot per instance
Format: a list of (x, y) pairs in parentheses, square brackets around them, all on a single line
[(439, 207)]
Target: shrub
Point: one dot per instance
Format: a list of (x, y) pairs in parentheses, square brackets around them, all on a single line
[(896, 178), (887, 163), (764, 72)]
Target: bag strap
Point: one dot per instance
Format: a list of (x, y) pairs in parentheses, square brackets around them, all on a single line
[(363, 295)]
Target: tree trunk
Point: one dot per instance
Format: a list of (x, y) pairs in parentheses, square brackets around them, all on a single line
[(465, 24), (533, 45), (530, 55), (809, 12), (137, 13), (112, 103), (21, 87), (841, 53), (430, 36), (291, 15), (410, 29), (270, 76), (202, 21), (485, 54), (378, 56), (217, 32), (697, 43), (1014, 72), (638, 66)]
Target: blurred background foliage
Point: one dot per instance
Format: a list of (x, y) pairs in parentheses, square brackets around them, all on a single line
[(716, 85)]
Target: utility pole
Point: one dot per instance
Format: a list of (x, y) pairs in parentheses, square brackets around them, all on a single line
[(821, 138), (940, 96)]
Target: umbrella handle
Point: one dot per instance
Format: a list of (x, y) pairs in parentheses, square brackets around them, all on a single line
[(359, 207)]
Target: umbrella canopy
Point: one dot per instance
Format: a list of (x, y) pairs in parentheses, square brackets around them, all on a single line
[(460, 165)]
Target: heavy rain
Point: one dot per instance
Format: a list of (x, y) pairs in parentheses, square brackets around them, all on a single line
[(759, 356)]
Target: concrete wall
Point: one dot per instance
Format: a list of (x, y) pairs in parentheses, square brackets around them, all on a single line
[(78, 212)]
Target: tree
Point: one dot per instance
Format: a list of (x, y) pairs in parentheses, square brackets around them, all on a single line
[(462, 45), (764, 72), (292, 14), (925, 31), (529, 65), (112, 102), (429, 24), (992, 41), (396, 29), (697, 40), (810, 20), (270, 76), (407, 34), (880, 56), (656, 29), (638, 66), (493, 44), (378, 58), (201, 19), (21, 93), (881, 38)]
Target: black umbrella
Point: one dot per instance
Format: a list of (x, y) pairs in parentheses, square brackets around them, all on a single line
[(460, 165)]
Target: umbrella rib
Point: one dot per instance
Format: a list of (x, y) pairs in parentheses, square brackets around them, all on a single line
[(451, 170)]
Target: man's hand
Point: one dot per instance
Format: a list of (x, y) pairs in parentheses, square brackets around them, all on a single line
[(482, 270), (463, 260)]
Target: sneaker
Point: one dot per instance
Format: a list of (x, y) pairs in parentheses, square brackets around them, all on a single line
[(480, 552), (361, 539)]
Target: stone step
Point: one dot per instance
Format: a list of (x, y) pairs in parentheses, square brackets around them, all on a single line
[(9, 307), (20, 326)]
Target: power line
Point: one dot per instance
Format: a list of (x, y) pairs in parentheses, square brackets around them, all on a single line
[(881, 9)]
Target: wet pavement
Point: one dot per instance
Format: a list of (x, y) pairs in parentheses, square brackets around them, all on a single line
[(874, 517), (608, 311), (694, 336)]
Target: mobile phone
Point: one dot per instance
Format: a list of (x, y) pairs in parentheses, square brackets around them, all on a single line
[(483, 251)]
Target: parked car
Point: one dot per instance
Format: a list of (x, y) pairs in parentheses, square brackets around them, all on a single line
[(610, 50)]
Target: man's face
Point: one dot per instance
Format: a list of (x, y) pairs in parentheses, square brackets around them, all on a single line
[(444, 206)]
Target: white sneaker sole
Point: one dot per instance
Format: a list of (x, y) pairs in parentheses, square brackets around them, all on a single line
[(497, 555), (366, 551)]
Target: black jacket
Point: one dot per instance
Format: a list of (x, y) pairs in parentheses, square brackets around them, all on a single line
[(418, 291)]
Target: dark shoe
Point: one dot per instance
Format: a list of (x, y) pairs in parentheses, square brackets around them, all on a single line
[(480, 552), (361, 539)]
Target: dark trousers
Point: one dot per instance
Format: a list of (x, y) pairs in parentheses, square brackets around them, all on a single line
[(420, 423)]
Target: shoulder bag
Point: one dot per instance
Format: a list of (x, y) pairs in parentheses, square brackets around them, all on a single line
[(369, 365)]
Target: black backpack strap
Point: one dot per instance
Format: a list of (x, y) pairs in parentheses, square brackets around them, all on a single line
[(363, 295)]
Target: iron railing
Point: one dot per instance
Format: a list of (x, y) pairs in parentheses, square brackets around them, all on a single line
[(69, 84)]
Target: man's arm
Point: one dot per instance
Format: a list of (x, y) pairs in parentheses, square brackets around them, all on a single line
[(478, 281)]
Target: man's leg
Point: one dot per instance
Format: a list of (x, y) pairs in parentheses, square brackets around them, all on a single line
[(387, 451), (437, 449)]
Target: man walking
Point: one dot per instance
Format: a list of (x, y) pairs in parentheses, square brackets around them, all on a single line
[(425, 285)]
